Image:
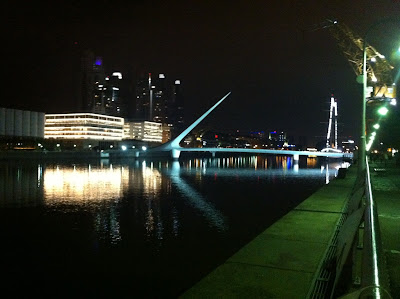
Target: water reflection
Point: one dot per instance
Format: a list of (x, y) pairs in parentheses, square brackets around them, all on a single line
[(149, 187), (145, 225), (82, 185), (20, 185), (213, 216)]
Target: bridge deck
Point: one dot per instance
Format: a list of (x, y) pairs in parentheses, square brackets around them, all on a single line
[(267, 151)]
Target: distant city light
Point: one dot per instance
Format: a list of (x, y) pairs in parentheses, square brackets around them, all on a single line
[(161, 76), (376, 126), (177, 82), (124, 147), (98, 61), (117, 74), (144, 148)]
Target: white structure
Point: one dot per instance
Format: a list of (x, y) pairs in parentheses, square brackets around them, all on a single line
[(333, 114), (21, 123), (84, 126), (148, 131)]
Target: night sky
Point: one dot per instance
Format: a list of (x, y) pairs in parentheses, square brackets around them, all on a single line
[(280, 73)]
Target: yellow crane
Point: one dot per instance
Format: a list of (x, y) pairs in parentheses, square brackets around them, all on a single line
[(380, 81)]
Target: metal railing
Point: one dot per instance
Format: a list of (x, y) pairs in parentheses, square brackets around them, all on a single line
[(374, 280), (360, 260)]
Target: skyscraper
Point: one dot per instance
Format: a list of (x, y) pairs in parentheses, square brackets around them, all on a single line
[(159, 101), (92, 85), (100, 94), (152, 98), (113, 103), (177, 109), (142, 94)]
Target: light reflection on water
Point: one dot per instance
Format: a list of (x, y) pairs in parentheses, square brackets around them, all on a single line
[(87, 186), (160, 208)]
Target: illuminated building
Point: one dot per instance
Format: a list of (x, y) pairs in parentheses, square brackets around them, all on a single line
[(278, 139), (83, 126), (113, 102), (177, 109), (144, 130), (156, 101), (160, 100), (142, 90), (152, 98), (92, 84), (100, 93)]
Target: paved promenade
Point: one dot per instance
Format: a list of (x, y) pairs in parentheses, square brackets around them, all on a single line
[(283, 261), (385, 178)]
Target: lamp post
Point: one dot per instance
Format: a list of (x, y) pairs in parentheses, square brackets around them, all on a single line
[(362, 145)]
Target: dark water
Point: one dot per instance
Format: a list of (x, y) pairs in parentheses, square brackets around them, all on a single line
[(144, 229)]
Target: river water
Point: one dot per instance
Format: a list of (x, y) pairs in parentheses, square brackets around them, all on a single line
[(145, 228)]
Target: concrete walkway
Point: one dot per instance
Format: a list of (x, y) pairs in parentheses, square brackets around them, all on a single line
[(385, 178), (283, 261)]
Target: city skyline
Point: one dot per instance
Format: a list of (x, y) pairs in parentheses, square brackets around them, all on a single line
[(281, 75)]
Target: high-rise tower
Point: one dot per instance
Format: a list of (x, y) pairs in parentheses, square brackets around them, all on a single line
[(177, 109), (113, 103), (92, 84), (142, 91)]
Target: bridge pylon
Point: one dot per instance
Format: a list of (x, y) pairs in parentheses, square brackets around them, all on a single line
[(173, 145)]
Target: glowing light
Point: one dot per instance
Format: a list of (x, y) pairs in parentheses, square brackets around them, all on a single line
[(373, 59), (117, 74), (144, 148), (98, 61), (383, 111), (124, 147), (177, 82), (161, 76), (376, 126), (82, 185)]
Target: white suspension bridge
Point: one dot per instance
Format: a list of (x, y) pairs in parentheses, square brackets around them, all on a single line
[(175, 149)]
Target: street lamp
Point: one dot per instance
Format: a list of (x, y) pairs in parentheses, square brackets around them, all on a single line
[(383, 111), (362, 145)]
